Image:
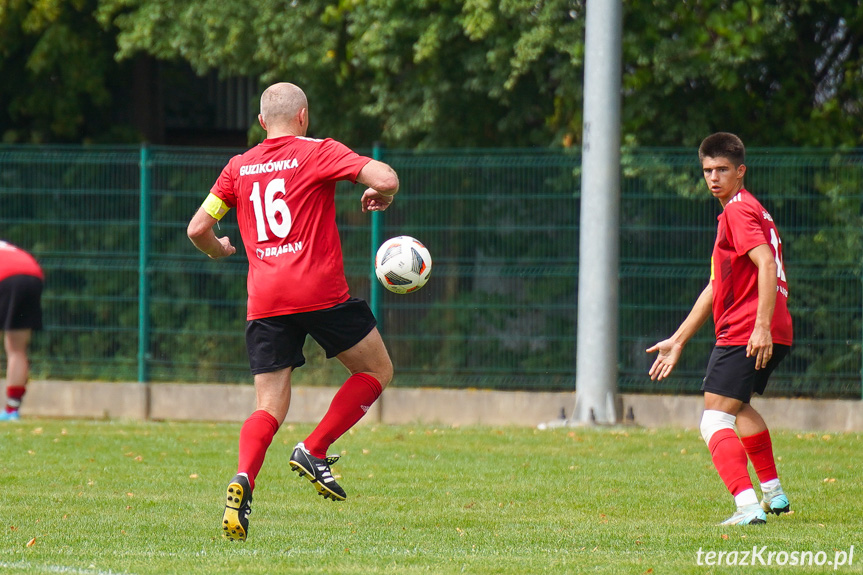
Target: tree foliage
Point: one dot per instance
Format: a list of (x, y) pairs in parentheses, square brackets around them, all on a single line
[(457, 73), (439, 74), (58, 70), (779, 73)]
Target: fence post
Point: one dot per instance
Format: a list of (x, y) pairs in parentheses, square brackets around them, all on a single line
[(375, 286), (143, 274)]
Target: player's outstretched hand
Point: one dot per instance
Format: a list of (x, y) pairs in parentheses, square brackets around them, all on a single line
[(374, 201), (669, 353)]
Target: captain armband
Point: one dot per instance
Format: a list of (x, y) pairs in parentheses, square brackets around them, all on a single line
[(215, 206)]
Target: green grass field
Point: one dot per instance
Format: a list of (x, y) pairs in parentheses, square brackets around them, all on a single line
[(97, 498)]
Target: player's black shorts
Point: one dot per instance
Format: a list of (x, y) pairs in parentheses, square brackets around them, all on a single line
[(21, 303), (275, 343), (731, 374)]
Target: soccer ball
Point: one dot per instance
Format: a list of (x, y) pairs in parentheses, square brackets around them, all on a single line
[(403, 264)]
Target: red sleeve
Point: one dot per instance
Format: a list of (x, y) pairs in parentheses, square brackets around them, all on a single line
[(224, 187), (744, 227), (338, 162)]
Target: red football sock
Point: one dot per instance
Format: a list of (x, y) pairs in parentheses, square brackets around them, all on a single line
[(349, 405), (759, 448), (255, 437), (14, 394), (729, 458)]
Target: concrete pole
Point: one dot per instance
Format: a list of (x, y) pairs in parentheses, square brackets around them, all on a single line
[(599, 243)]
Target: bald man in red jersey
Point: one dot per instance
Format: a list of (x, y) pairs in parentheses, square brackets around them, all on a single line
[(284, 193)]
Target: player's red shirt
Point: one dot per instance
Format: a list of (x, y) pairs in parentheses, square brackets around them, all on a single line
[(284, 192), (16, 262), (745, 224)]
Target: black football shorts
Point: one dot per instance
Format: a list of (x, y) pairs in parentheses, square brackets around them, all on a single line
[(731, 374), (21, 303), (275, 343)]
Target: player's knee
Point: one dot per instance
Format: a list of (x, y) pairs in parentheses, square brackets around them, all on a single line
[(713, 420), (384, 373)]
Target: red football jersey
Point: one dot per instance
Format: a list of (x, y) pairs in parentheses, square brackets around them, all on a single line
[(16, 262), (745, 224), (284, 192)]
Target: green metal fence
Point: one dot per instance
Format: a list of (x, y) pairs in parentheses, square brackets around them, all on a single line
[(129, 298)]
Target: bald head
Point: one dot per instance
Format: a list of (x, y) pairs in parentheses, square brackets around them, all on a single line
[(284, 110)]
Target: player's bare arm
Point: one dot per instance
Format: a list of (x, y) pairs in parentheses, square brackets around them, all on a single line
[(670, 350), (760, 343), (200, 231), (383, 184)]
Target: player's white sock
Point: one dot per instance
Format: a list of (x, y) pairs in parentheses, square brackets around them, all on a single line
[(746, 497), (769, 485)]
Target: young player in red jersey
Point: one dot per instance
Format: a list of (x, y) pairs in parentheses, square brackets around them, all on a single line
[(284, 193), (748, 296), (21, 280)]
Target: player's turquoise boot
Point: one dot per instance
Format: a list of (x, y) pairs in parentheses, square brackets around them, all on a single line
[(775, 501), (747, 515), (9, 415)]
